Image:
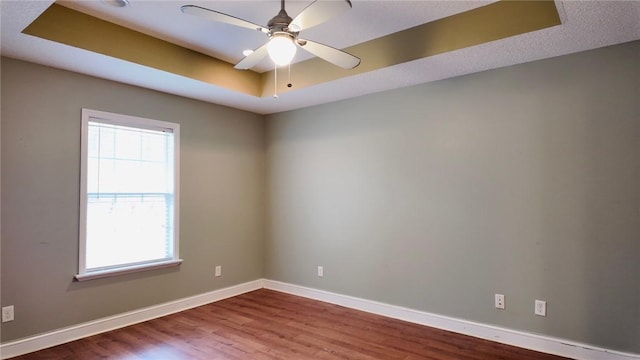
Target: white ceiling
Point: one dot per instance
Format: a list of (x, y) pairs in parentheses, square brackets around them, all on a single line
[(585, 25)]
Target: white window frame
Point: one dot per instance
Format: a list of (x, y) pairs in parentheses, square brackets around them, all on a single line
[(89, 115)]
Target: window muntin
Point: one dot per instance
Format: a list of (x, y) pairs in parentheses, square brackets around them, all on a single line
[(129, 194)]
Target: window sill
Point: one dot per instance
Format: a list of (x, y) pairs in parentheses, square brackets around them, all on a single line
[(126, 270)]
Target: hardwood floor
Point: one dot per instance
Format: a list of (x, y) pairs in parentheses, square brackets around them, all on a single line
[(266, 324)]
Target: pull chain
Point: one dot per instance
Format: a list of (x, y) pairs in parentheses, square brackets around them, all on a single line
[(275, 81)]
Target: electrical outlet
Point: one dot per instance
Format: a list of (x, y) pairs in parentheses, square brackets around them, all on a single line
[(320, 271), (7, 313), (541, 308), (499, 301), (218, 270)]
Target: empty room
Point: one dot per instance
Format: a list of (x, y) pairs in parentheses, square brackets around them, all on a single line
[(324, 179)]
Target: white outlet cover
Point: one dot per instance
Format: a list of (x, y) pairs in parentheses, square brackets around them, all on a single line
[(320, 271), (7, 313), (499, 301), (541, 308)]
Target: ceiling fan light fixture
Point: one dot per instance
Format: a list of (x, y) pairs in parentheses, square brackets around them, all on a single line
[(282, 31), (281, 49)]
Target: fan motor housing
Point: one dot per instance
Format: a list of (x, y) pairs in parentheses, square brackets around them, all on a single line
[(280, 22)]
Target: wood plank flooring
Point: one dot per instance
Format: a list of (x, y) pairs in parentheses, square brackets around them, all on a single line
[(266, 324)]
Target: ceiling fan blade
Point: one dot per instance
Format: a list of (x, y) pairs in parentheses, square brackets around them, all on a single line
[(317, 13), (253, 59), (330, 54), (220, 17)]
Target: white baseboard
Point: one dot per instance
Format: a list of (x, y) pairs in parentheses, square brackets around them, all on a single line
[(525, 340), (83, 330), (521, 339)]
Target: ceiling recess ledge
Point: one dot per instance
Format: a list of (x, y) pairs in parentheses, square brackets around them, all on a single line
[(498, 20), (74, 28)]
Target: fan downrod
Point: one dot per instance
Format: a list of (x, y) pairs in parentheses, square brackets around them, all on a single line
[(280, 23)]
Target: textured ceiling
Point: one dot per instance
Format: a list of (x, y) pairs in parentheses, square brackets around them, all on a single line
[(585, 25)]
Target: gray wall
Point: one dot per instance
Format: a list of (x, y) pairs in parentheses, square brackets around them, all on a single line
[(523, 181), (222, 198)]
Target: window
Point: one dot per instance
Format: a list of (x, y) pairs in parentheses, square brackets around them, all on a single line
[(128, 194)]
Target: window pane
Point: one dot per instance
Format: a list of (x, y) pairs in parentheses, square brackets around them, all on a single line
[(129, 181), (127, 228)]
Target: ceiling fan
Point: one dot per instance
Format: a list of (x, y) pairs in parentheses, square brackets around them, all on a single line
[(283, 31)]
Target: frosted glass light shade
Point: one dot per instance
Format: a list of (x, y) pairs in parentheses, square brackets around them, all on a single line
[(281, 49)]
